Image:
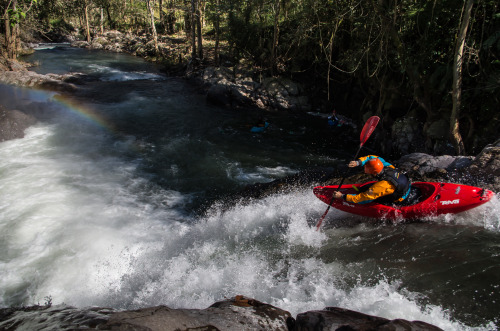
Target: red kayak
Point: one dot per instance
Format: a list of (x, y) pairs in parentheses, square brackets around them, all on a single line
[(426, 199)]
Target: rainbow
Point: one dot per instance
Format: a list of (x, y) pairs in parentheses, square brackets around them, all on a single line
[(15, 96), (83, 111)]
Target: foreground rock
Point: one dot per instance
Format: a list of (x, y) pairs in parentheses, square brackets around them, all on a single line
[(238, 313), (13, 123), (333, 318)]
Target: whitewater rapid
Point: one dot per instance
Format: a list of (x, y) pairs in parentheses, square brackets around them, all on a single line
[(81, 226)]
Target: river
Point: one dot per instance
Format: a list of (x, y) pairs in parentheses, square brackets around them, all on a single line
[(119, 201)]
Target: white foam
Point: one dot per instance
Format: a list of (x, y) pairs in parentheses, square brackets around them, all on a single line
[(258, 174), (486, 216), (61, 213), (44, 46), (113, 74)]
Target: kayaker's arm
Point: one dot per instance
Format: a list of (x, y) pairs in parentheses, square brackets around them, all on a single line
[(376, 191)]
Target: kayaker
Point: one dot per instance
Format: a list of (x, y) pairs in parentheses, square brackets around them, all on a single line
[(334, 121), (260, 126), (392, 187)]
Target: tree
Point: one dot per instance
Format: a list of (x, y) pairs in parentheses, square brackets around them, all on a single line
[(150, 4), (193, 29), (199, 30), (217, 19), (276, 33), (457, 79), (86, 16), (196, 29), (14, 13)]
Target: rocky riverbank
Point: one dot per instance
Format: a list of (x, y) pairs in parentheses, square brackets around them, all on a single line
[(237, 313), (240, 85)]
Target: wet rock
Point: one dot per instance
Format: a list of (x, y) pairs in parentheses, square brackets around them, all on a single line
[(239, 313), (343, 319), (13, 123), (488, 161), (51, 82), (485, 167), (424, 163)]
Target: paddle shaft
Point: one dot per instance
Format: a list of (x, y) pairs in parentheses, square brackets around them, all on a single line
[(368, 129), (318, 225)]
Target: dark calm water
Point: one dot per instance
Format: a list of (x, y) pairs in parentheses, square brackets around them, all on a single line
[(117, 201)]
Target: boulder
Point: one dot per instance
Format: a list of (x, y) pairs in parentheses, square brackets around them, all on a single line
[(485, 167), (13, 123), (80, 44), (237, 313), (424, 163), (488, 161), (219, 95), (32, 79), (333, 318)]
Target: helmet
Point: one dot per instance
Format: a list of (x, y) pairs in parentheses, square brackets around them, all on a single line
[(373, 167)]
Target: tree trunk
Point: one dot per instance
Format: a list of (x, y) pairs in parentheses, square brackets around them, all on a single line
[(457, 80), (8, 35), (274, 51), (150, 4), (217, 34), (200, 36), (193, 29), (102, 21), (160, 5), (87, 25), (110, 20), (14, 32)]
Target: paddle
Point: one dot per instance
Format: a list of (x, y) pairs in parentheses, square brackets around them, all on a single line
[(368, 129)]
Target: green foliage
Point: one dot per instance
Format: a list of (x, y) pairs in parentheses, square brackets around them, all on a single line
[(15, 16), (60, 24)]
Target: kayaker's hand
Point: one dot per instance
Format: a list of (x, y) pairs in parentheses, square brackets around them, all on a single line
[(353, 164), (337, 195)]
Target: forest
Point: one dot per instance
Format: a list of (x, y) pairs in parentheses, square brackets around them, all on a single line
[(436, 62)]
